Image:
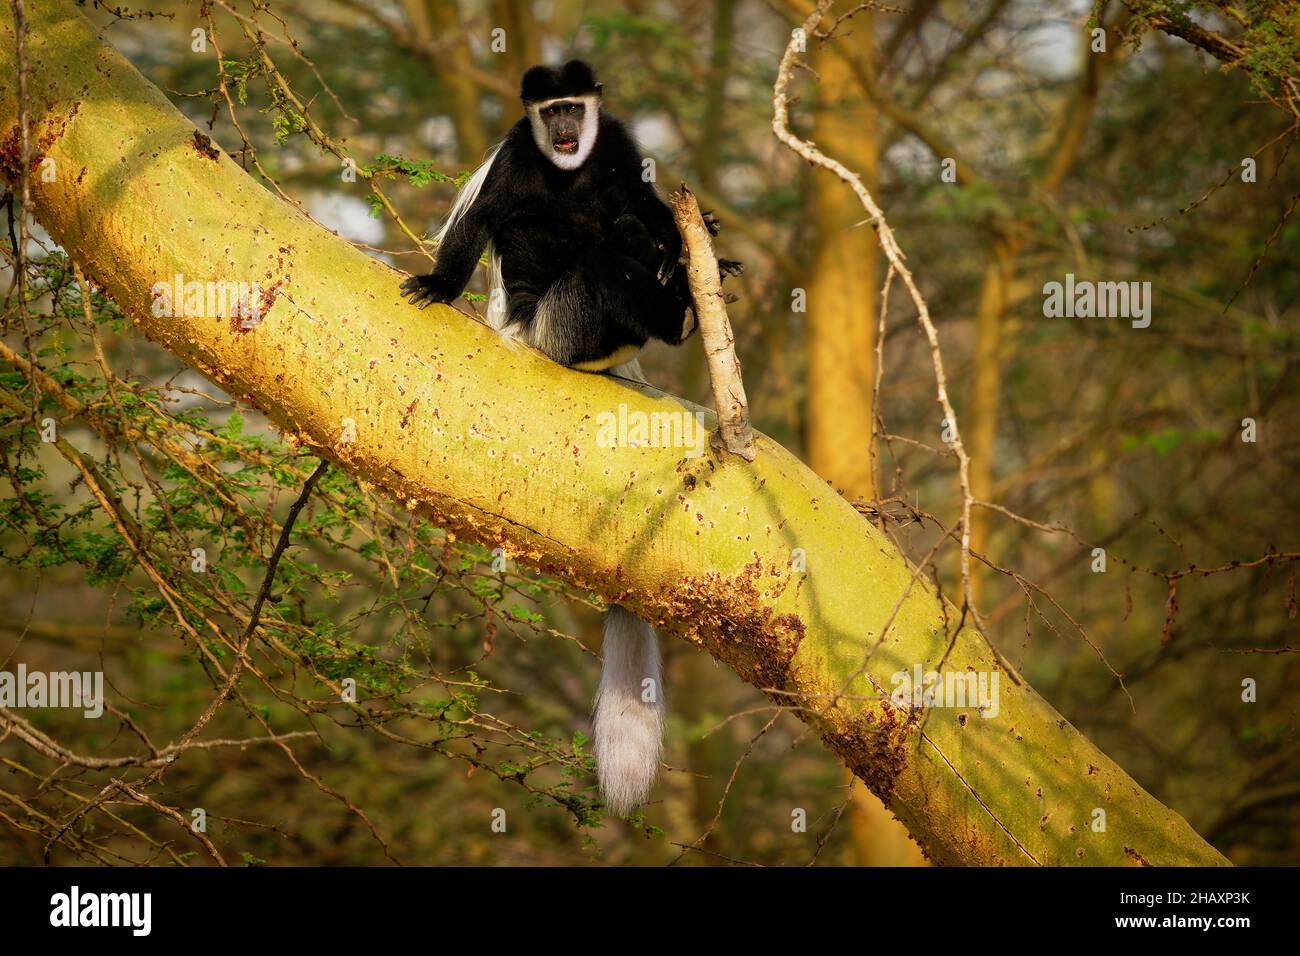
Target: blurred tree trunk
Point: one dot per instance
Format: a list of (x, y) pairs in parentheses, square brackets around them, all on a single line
[(502, 446), (712, 133), (523, 44), (435, 21), (710, 758), (841, 335), (986, 388), (844, 280), (995, 289)]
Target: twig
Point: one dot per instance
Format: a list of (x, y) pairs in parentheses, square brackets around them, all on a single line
[(715, 328)]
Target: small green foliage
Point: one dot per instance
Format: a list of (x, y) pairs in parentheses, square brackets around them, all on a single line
[(237, 75), (418, 172), (1266, 32)]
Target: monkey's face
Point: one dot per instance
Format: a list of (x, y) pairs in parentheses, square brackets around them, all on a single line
[(563, 122), (564, 129)]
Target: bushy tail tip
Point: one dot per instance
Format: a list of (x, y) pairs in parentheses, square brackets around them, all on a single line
[(628, 725)]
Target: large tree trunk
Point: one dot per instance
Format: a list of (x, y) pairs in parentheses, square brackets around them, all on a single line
[(841, 336), (430, 20), (845, 280), (500, 445)]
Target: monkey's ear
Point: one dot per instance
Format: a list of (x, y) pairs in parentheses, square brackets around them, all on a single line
[(600, 87)]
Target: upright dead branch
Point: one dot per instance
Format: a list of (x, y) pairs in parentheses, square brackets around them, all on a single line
[(715, 327)]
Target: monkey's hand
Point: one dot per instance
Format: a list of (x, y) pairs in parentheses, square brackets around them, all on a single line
[(711, 222), (730, 267), (428, 289)]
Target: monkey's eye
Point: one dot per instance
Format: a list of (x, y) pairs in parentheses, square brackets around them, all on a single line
[(573, 107)]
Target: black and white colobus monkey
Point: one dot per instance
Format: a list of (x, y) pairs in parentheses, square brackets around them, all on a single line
[(583, 247), (584, 266)]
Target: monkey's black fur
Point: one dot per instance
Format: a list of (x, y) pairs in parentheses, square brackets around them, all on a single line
[(589, 256)]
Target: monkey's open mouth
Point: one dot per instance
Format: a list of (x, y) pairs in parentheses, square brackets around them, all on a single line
[(565, 145)]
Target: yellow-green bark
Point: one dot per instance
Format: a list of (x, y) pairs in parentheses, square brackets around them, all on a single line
[(500, 444)]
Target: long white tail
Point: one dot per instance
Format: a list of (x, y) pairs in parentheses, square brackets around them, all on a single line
[(629, 711)]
